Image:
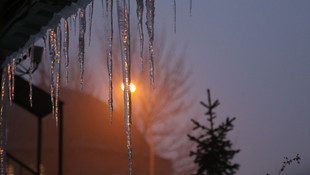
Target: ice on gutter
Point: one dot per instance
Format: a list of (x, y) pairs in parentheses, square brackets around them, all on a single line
[(66, 12)]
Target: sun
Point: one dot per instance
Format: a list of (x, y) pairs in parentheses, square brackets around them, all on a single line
[(132, 87)]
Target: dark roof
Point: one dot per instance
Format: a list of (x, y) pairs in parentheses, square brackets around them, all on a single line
[(19, 19)]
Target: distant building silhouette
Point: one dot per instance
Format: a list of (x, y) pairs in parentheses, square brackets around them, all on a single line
[(91, 144)]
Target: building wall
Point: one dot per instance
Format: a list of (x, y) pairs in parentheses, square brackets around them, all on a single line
[(91, 144)]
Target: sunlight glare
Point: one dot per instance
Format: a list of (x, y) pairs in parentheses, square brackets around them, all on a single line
[(132, 87)]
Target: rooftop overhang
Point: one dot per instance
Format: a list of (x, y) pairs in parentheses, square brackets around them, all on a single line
[(23, 22)]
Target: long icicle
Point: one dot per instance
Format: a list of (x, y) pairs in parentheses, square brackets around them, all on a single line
[(13, 76), (3, 126), (30, 73), (58, 42), (109, 9), (57, 94), (10, 82), (70, 22), (82, 28), (74, 23), (190, 7), (90, 19), (175, 16), (140, 27), (150, 9), (66, 48), (58, 65), (52, 54), (123, 11)]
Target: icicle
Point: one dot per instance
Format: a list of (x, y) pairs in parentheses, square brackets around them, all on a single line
[(3, 127), (175, 15), (123, 23), (74, 19), (140, 27), (66, 48), (109, 9), (58, 42), (90, 18), (82, 44), (13, 77), (52, 54), (190, 7), (57, 93), (70, 22), (150, 28), (58, 63), (2, 96), (30, 74), (10, 82)]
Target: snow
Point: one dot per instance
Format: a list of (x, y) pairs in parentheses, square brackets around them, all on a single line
[(66, 12)]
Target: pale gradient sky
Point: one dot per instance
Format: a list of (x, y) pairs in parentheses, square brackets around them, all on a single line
[(255, 57)]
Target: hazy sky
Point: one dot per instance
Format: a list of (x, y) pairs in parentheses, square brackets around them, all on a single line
[(254, 55)]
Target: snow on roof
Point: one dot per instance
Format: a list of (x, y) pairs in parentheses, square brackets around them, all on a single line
[(28, 21)]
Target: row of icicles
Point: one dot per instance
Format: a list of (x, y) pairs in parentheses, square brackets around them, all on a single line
[(56, 46)]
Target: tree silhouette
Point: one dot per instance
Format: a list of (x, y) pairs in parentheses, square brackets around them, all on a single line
[(287, 161), (214, 151)]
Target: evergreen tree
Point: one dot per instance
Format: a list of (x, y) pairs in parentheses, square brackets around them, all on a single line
[(214, 151)]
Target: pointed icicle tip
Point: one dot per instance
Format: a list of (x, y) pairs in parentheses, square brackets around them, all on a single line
[(190, 7), (90, 19), (109, 9), (140, 27), (175, 15), (123, 11), (52, 54), (31, 59), (150, 10)]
